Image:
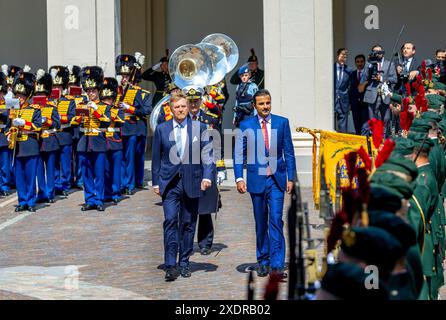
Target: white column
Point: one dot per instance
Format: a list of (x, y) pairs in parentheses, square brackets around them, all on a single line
[(81, 32), (298, 37)]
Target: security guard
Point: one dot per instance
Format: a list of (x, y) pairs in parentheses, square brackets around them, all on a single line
[(5, 152), (49, 146), (257, 75), (28, 122), (136, 106), (66, 107), (75, 93), (108, 95), (159, 75), (92, 146)]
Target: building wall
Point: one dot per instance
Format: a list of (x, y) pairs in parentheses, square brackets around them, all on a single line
[(190, 21), (24, 33), (424, 26)]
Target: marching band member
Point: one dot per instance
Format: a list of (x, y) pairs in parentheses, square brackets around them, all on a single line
[(27, 123), (49, 147), (137, 106), (5, 152), (93, 145)]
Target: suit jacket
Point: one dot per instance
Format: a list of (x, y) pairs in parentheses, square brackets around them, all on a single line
[(342, 87), (389, 75), (250, 148), (192, 167), (355, 95), (414, 66)]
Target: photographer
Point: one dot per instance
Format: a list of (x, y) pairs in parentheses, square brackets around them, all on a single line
[(440, 65), (408, 66), (381, 78)]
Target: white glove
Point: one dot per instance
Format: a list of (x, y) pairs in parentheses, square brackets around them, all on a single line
[(157, 67), (44, 119), (18, 122), (385, 90), (221, 176), (93, 105), (125, 106)]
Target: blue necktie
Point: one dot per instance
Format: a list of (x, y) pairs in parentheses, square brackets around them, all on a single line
[(179, 140)]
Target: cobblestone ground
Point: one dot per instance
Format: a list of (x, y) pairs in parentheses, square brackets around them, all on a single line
[(61, 253)]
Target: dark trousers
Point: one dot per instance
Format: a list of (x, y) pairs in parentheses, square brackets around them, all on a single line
[(5, 165), (93, 173), (360, 113), (180, 219), (205, 234), (341, 114), (140, 152), (26, 177), (46, 167), (128, 179), (380, 111), (113, 175), (63, 168)]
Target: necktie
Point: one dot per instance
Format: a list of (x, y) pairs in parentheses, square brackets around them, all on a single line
[(194, 117), (359, 76), (266, 139), (179, 140)]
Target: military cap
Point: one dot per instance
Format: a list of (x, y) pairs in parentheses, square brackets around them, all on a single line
[(393, 182), (431, 116), (193, 93), (420, 125), (24, 83), (125, 63), (396, 98), (421, 141), (44, 83), (166, 57), (403, 146), (3, 83), (10, 72), (384, 198), (252, 57), (92, 77), (243, 69), (401, 167), (435, 101), (60, 75), (439, 85), (346, 281), (75, 75), (442, 126), (373, 246), (109, 89)]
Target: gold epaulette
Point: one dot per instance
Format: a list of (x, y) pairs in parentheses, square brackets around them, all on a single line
[(136, 87), (69, 97), (212, 115), (35, 106)]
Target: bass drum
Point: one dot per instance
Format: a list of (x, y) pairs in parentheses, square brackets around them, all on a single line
[(156, 112)]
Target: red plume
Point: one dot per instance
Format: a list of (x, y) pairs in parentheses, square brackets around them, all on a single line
[(363, 185), (415, 85), (350, 162), (406, 119), (272, 288), (377, 129), (336, 229), (408, 91), (365, 158), (423, 69), (385, 152)]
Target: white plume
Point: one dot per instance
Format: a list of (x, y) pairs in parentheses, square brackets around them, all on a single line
[(40, 73), (53, 73), (26, 68), (5, 69), (119, 79), (70, 68), (140, 58)]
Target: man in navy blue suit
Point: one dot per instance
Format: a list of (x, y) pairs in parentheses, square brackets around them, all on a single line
[(182, 167), (264, 142), (341, 90)]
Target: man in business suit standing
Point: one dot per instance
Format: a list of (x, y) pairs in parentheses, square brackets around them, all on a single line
[(409, 68), (381, 78), (264, 142), (341, 93), (358, 82), (182, 167)]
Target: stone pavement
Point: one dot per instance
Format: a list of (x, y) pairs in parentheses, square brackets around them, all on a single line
[(61, 253)]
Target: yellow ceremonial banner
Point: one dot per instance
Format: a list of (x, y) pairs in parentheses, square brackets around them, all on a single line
[(332, 149)]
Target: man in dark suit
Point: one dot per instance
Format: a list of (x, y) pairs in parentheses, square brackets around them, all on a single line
[(358, 81), (381, 78), (264, 142), (409, 68), (182, 167), (341, 90)]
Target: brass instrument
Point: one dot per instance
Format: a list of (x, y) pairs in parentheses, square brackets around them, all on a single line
[(12, 137)]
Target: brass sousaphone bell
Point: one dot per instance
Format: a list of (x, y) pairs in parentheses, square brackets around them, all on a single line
[(199, 66)]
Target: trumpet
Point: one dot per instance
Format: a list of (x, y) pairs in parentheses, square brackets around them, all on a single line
[(12, 137)]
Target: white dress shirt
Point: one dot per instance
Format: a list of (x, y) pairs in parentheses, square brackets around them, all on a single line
[(183, 132)]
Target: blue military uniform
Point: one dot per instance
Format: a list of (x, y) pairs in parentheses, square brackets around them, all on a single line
[(5, 152), (49, 145), (27, 145), (243, 99), (114, 143), (92, 145), (161, 80), (134, 132)]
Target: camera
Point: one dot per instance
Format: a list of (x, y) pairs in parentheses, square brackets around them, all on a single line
[(374, 58)]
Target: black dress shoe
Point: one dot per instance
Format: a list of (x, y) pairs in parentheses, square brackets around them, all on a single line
[(5, 193), (51, 201), (185, 272), (171, 274), (263, 271), (100, 207), (20, 208), (205, 251), (31, 209), (116, 201), (87, 207), (130, 192)]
